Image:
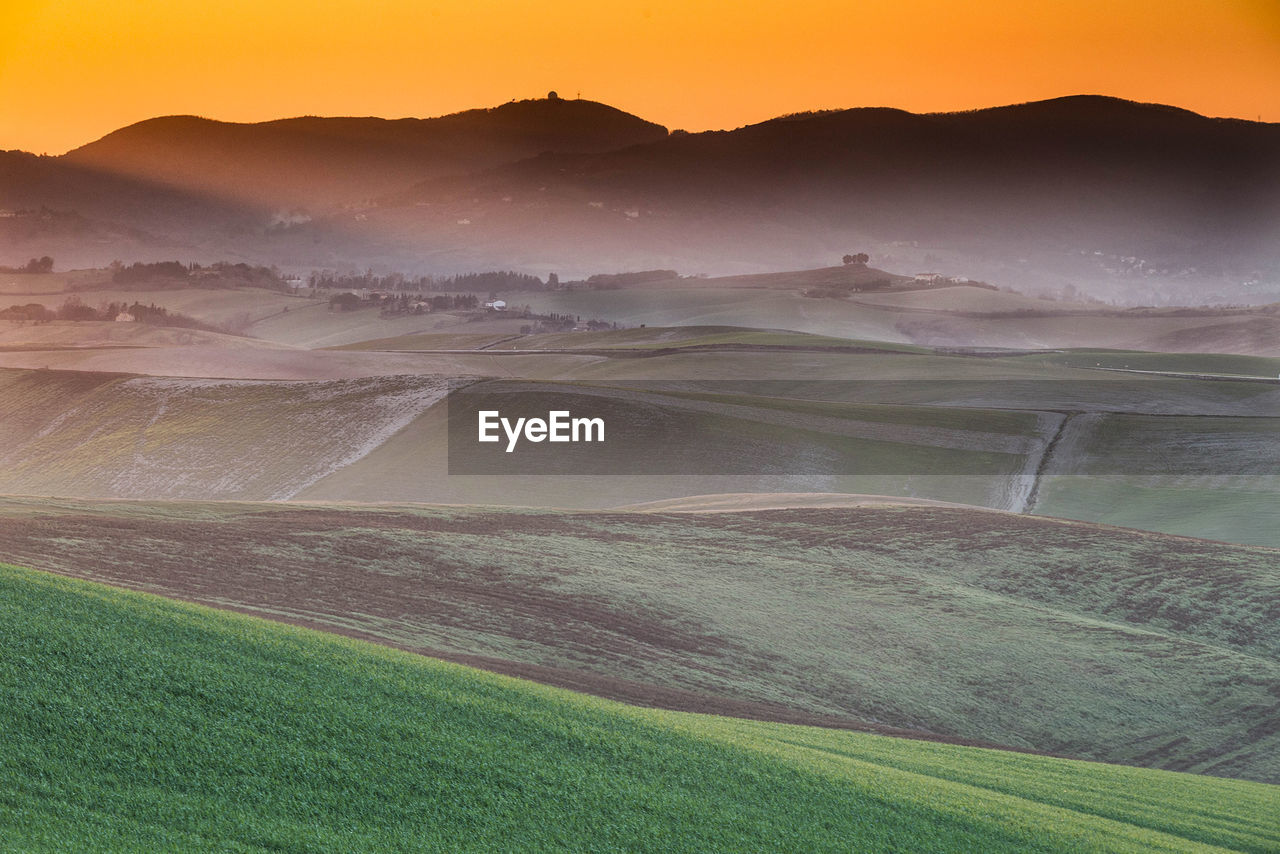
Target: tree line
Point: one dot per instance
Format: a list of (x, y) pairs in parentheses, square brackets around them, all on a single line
[(406, 303), (218, 274), (73, 309), (501, 280), (43, 264)]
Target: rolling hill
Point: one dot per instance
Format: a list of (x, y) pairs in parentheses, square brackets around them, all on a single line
[(203, 190), (133, 723), (1039, 634), (321, 163), (1018, 433), (945, 317), (1137, 201), (84, 216), (1051, 182)]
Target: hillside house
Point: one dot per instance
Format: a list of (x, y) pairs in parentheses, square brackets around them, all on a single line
[(928, 278)]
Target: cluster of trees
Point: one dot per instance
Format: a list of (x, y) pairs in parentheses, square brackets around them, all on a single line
[(860, 258), (477, 282), (43, 264), (564, 323), (445, 302), (329, 280), (611, 281), (139, 273), (492, 281), (31, 311), (406, 303), (74, 309), (843, 291), (420, 303), (220, 274)]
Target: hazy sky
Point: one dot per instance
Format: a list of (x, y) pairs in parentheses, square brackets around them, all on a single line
[(72, 70)]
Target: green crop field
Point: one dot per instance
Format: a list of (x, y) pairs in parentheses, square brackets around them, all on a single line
[(1062, 637), (1189, 363), (1234, 509), (137, 724)]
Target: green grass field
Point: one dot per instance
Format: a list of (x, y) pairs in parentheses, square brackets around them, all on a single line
[(1063, 637), (1190, 363), (431, 341), (111, 434), (137, 724), (639, 338), (676, 337), (1234, 509)]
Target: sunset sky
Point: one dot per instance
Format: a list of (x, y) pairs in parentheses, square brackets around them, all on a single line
[(72, 70)]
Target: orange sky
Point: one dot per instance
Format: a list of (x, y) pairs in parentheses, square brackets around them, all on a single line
[(72, 70)]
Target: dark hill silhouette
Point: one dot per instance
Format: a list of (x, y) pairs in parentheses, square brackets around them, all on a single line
[(323, 162), (1055, 160), (1092, 191), (85, 217), (1072, 174)]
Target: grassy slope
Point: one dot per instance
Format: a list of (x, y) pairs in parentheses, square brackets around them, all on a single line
[(408, 466), (944, 317), (661, 337), (94, 334), (1192, 363), (717, 435), (640, 338), (16, 285), (431, 341), (137, 724), (1062, 637), (154, 438), (1234, 509), (318, 326), (99, 434)]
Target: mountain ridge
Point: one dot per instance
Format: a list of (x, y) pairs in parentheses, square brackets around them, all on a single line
[(328, 161), (1017, 195)]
